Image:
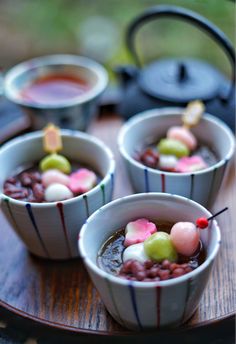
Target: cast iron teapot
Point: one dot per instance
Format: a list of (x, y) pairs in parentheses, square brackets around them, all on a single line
[(175, 82)]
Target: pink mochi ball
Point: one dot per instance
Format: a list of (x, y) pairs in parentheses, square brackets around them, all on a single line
[(184, 135), (185, 238), (54, 176)]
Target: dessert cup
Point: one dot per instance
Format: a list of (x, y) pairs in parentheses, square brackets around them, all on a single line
[(148, 305), (201, 186), (50, 230)]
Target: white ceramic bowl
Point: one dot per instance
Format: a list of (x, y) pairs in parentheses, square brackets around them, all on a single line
[(50, 230), (74, 113), (143, 305), (149, 126)]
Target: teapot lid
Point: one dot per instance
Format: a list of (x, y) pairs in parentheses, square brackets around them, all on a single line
[(180, 80)]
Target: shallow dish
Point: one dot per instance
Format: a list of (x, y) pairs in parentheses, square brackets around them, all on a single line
[(73, 113)]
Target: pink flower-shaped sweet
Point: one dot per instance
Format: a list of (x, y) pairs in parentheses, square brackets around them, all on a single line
[(82, 181), (190, 164), (138, 231)]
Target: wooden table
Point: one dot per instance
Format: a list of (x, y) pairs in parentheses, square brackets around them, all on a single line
[(59, 298)]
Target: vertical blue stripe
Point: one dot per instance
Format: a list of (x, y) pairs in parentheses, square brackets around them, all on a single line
[(102, 187), (113, 301), (112, 185), (226, 163), (31, 216), (7, 202), (191, 186), (188, 289), (158, 302), (62, 216), (146, 180), (134, 304), (212, 186), (85, 198)]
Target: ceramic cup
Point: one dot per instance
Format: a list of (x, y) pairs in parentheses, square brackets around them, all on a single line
[(50, 230), (147, 305), (75, 113), (149, 126)]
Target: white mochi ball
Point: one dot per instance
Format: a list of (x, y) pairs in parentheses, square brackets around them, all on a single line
[(135, 252), (57, 192)]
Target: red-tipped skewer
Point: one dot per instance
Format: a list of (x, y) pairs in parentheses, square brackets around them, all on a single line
[(202, 222)]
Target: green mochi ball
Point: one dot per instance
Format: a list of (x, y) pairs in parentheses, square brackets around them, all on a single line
[(55, 161), (173, 147), (159, 247)]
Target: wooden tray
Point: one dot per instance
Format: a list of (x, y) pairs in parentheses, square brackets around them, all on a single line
[(60, 294)]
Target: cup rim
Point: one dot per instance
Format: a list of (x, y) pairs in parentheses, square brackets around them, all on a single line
[(56, 59), (172, 111), (139, 284), (65, 133)]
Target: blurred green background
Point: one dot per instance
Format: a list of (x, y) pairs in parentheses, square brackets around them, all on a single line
[(96, 28)]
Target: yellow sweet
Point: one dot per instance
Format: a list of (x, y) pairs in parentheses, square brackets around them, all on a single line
[(193, 113), (52, 142)]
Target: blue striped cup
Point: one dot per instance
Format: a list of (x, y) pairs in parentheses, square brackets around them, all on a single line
[(50, 230), (148, 305), (149, 126)]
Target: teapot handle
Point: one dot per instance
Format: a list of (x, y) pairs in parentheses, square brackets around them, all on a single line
[(189, 16)]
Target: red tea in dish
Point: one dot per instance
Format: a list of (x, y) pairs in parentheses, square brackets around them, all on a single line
[(53, 88)]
